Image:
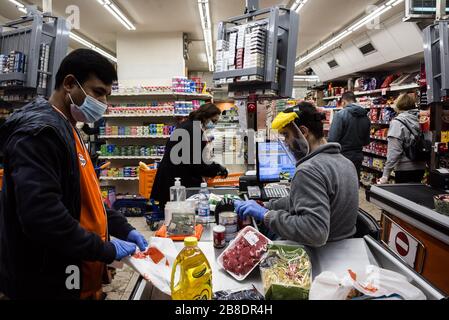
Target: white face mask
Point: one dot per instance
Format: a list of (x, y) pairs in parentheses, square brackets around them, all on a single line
[(90, 111)]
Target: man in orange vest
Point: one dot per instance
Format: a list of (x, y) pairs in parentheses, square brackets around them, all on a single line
[(53, 224)]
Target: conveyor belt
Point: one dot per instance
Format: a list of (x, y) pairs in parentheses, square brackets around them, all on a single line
[(420, 194)]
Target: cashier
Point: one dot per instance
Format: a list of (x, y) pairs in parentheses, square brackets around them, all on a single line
[(54, 229), (323, 204), (186, 154)]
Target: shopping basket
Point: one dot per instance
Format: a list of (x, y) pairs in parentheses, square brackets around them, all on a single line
[(232, 180), (146, 181)]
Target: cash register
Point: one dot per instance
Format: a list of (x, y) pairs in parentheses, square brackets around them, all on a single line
[(275, 168)]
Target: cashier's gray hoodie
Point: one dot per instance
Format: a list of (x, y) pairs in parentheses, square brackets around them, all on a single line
[(399, 137), (324, 200)]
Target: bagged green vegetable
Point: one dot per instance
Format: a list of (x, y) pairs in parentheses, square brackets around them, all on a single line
[(286, 273)]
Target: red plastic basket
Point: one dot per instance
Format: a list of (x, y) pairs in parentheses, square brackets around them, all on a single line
[(232, 180)]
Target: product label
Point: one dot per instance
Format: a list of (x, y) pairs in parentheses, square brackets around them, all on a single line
[(252, 238)]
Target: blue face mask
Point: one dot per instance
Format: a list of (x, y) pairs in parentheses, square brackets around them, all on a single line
[(90, 111), (210, 125)]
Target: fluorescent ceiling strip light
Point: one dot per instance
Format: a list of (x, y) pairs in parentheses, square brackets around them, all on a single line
[(117, 13), (91, 46), (20, 6), (356, 26), (203, 7), (297, 6)]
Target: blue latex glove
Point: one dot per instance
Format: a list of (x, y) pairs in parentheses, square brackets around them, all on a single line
[(250, 208), (123, 249), (137, 238)]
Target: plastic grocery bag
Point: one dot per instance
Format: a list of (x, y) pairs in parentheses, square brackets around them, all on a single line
[(155, 264), (374, 282)]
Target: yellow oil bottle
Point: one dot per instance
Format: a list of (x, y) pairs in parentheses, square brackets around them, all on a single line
[(195, 276)]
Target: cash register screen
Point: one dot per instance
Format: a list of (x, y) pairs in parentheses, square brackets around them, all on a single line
[(274, 163)]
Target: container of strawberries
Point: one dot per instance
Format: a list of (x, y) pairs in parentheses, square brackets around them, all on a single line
[(244, 253)]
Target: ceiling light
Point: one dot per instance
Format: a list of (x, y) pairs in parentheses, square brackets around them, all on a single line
[(297, 6), (91, 46), (354, 27), (20, 6), (206, 25), (114, 10)]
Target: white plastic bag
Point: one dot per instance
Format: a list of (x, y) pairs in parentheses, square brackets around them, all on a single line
[(374, 282), (158, 274)]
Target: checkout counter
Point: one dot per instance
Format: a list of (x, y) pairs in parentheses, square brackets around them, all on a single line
[(337, 257), (413, 231)]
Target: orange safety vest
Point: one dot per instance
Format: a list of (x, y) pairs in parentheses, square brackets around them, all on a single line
[(92, 218)]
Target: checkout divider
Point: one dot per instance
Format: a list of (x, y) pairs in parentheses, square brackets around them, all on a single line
[(337, 257)]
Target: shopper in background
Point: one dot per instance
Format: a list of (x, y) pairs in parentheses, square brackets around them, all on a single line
[(192, 172), (351, 129), (399, 137), (324, 199), (53, 223)]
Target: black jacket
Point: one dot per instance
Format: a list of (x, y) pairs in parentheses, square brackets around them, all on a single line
[(40, 234), (190, 172), (351, 129)]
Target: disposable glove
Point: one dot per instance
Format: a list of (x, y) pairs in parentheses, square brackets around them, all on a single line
[(137, 238), (123, 249), (383, 180), (250, 208)]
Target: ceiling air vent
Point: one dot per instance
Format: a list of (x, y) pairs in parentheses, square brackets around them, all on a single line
[(333, 64), (367, 49)]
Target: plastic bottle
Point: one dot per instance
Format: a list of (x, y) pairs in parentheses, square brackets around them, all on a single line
[(177, 192), (195, 277), (203, 205)]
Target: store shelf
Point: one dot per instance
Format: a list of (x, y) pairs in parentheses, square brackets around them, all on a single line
[(383, 155), (162, 95), (372, 168), (130, 157), (379, 139), (119, 178), (138, 116), (133, 137), (377, 91)]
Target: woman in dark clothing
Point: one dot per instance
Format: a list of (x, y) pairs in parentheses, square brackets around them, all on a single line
[(184, 155)]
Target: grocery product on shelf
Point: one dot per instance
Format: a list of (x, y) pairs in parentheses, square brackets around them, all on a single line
[(131, 151), (151, 109), (286, 273), (377, 147), (244, 253), (185, 85), (184, 108), (125, 172), (195, 274), (151, 130)]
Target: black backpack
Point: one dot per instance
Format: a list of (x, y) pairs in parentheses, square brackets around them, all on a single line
[(419, 149)]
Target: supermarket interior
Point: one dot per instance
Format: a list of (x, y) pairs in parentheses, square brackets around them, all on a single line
[(224, 150)]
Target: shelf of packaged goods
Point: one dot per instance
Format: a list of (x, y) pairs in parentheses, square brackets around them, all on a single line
[(377, 91), (372, 168), (143, 115), (133, 137), (154, 95), (383, 155), (379, 139), (130, 157), (119, 178)]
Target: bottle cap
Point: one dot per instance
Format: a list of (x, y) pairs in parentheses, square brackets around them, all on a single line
[(177, 182), (204, 185), (190, 242)]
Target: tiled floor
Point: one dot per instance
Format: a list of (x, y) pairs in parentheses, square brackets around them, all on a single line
[(125, 279)]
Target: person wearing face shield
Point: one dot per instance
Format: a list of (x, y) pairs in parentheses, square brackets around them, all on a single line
[(187, 155), (55, 231), (324, 198)]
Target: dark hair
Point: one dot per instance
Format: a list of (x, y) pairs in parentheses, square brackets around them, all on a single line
[(348, 96), (84, 63), (206, 111), (310, 117)]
